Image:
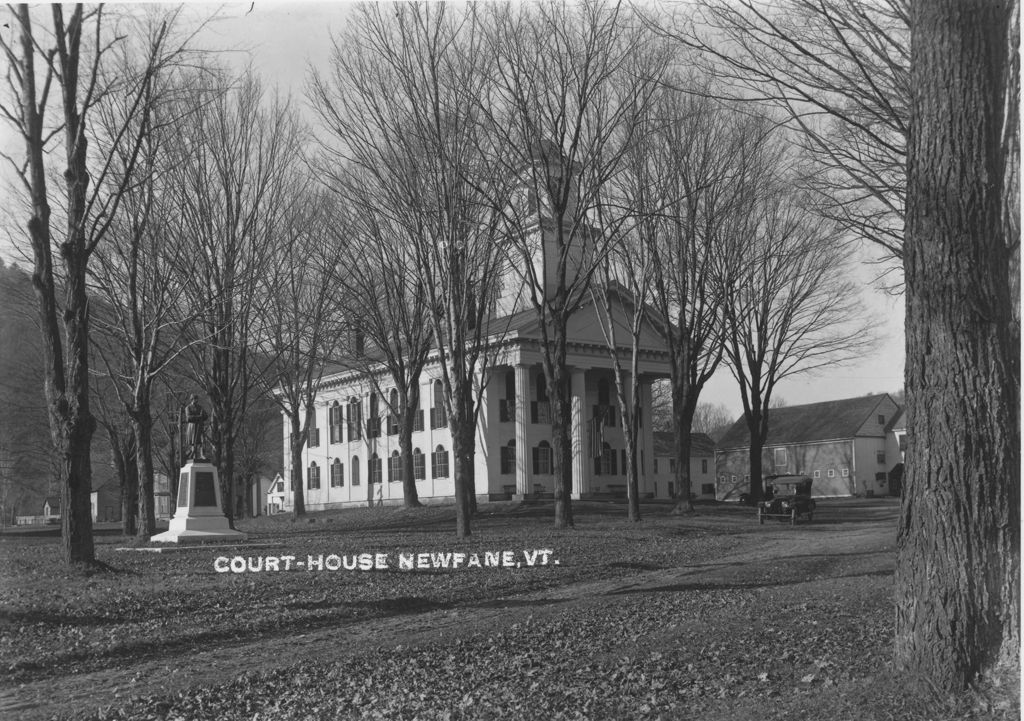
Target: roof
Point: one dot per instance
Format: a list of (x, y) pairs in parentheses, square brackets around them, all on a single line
[(824, 421), (54, 501), (700, 444)]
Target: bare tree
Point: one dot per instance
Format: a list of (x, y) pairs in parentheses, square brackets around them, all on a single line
[(298, 325), (70, 58), (427, 80), (689, 180), (712, 419), (138, 274), (394, 122), (838, 69), (234, 158), (789, 305), (958, 570), (569, 84)]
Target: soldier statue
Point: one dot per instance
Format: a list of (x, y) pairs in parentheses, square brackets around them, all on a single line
[(195, 416)]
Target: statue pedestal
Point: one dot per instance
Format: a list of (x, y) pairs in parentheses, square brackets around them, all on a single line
[(198, 516)]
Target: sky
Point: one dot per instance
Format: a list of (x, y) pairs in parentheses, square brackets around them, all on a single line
[(281, 41)]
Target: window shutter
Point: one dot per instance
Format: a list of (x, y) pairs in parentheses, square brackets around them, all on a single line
[(623, 461), (536, 461)]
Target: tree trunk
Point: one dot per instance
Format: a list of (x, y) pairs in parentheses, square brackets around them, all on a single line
[(296, 443), (409, 494), (958, 568), (561, 428), (142, 424), (684, 404), (757, 424), (462, 458)]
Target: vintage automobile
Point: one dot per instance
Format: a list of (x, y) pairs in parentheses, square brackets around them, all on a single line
[(786, 497)]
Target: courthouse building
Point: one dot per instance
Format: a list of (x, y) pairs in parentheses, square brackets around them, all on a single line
[(353, 455)]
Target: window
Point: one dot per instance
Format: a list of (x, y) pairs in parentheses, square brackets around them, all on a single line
[(671, 465), (392, 415), (704, 466), (419, 465), (439, 463), (376, 470), (280, 487), (655, 464), (508, 458), (604, 408), (373, 422), (542, 460), (355, 470), (817, 474), (781, 457), (355, 419), (312, 432), (507, 405), (337, 474), (734, 479), (358, 340), (334, 419), (831, 472), (707, 489), (542, 388), (846, 472), (394, 467), (313, 479), (880, 457), (903, 442), (438, 417), (881, 419)]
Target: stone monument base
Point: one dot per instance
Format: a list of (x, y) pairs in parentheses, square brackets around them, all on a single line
[(197, 516)]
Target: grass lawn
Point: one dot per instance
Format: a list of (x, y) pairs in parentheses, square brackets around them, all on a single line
[(704, 616)]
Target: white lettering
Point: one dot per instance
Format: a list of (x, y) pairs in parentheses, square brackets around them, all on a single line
[(257, 566), (365, 562), (333, 562), (474, 560), (238, 564), (545, 552), (316, 562), (441, 560), (491, 559), (271, 563), (405, 561), (381, 561), (288, 562), (531, 558), (423, 560), (349, 562), (220, 565), (508, 559)]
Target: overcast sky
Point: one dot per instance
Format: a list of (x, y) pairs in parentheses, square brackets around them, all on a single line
[(281, 39)]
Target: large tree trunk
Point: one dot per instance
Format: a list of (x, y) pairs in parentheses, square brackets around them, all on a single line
[(142, 424), (757, 424), (410, 497), (561, 427), (958, 569), (462, 459), (297, 442), (684, 404)]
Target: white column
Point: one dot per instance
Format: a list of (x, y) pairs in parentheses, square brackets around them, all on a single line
[(579, 472), (523, 455)]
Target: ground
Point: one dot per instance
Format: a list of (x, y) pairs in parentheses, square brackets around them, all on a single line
[(707, 616)]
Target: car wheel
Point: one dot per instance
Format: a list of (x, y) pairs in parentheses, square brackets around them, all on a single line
[(792, 517), (760, 516)]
